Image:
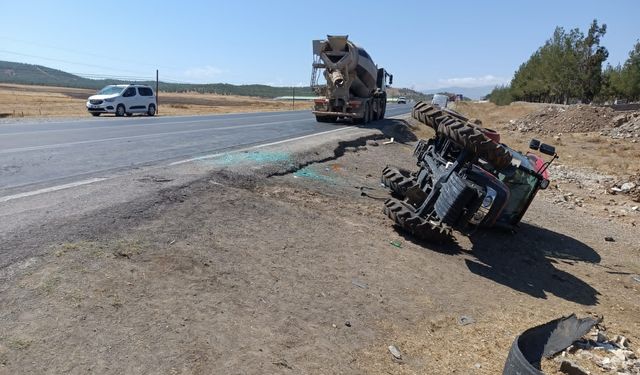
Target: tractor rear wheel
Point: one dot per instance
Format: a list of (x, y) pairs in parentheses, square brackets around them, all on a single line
[(474, 140), (398, 180), (404, 216), (480, 141), (454, 199)]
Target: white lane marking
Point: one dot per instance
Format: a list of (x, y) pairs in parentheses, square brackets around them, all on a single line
[(56, 145), (212, 156), (7, 198), (147, 124)]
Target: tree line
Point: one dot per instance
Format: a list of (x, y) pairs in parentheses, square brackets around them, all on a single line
[(568, 68)]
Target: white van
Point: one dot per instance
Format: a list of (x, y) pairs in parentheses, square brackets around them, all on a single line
[(123, 100), (440, 100)]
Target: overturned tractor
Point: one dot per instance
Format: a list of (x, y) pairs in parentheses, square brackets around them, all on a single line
[(466, 179)]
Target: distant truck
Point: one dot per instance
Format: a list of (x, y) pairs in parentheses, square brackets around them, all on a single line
[(402, 100), (355, 87)]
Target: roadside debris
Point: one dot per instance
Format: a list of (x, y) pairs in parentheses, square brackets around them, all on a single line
[(389, 141), (155, 179), (395, 352), (571, 346), (544, 340), (464, 320), (609, 239), (396, 243), (359, 284)]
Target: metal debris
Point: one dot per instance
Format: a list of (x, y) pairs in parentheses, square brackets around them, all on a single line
[(359, 284), (395, 352)]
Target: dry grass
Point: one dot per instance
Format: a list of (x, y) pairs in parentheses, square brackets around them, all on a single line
[(42, 101)]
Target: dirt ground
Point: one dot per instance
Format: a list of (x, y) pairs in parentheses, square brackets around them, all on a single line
[(292, 270), (41, 101)]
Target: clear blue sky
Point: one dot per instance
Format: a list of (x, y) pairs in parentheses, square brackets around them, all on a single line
[(425, 44)]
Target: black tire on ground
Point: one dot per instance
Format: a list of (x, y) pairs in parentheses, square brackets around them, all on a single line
[(405, 217), (475, 141), (398, 180), (152, 110), (95, 114), (455, 196), (120, 110)]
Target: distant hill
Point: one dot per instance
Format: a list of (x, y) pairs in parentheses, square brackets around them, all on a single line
[(27, 74), (470, 92), (407, 93)]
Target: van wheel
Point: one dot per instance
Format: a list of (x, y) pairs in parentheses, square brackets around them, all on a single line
[(120, 110), (152, 110)]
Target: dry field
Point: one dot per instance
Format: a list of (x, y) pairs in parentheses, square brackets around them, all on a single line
[(42, 101)]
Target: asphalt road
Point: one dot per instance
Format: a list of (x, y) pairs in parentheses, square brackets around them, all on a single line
[(42, 154)]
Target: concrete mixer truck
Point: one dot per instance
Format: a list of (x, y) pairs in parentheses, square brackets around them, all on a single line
[(355, 87)]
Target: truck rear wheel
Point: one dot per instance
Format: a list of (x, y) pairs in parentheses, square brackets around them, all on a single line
[(329, 119), (367, 113)]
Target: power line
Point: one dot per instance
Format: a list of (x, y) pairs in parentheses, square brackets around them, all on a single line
[(85, 53), (63, 61)]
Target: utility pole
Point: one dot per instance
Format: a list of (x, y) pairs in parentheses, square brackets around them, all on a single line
[(157, 81), (293, 102)]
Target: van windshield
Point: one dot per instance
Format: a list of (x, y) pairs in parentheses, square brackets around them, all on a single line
[(110, 90)]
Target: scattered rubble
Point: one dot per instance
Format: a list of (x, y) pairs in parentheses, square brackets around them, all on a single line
[(545, 341), (626, 125), (596, 352), (629, 186), (555, 119), (568, 367), (558, 119)]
